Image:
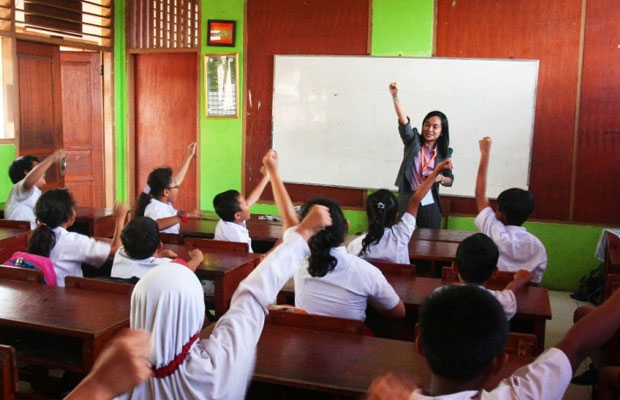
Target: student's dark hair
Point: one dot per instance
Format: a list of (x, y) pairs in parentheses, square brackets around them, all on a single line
[(516, 205), (21, 166), (53, 208), (320, 261), (444, 140), (226, 205), (462, 329), (140, 237), (381, 209), (159, 180), (476, 258)]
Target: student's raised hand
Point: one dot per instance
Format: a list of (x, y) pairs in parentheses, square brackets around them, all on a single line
[(391, 387), (263, 171), (318, 218), (191, 149), (445, 165), (270, 160), (120, 211), (394, 89), (485, 145), (121, 365), (59, 155)]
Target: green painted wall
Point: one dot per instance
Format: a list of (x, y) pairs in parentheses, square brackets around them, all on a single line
[(399, 27), (221, 140), (7, 155)]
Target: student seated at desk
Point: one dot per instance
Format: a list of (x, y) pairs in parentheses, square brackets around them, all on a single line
[(475, 263), (141, 250), (331, 281), (463, 331), (156, 201), (387, 239), (28, 176), (55, 211), (169, 303), (233, 210), (518, 249)]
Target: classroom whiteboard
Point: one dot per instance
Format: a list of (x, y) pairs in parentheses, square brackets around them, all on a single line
[(334, 122)]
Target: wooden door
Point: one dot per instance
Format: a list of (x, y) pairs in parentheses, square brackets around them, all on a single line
[(40, 103), (165, 114), (82, 126)]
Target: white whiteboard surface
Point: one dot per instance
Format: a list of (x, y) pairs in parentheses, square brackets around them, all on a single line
[(334, 122)]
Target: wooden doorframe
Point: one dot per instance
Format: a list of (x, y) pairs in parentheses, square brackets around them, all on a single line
[(131, 118)]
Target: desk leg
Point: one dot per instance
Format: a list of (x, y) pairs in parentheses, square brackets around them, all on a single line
[(539, 326)]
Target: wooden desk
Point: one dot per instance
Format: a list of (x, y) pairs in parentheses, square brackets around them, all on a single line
[(340, 363), (12, 240), (56, 327), (441, 235), (92, 221), (533, 305), (264, 233), (226, 269)]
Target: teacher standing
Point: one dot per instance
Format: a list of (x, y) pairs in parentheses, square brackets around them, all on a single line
[(421, 154)]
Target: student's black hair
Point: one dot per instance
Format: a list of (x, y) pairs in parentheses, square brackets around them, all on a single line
[(462, 329), (320, 261), (226, 205), (140, 237), (21, 166), (381, 209), (159, 180), (516, 205), (53, 208), (476, 258), (444, 140)]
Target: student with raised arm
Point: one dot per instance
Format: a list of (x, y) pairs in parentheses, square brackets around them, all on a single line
[(169, 303), (234, 210), (331, 281), (388, 238), (421, 153), (157, 199), (28, 175), (463, 332), (518, 249)]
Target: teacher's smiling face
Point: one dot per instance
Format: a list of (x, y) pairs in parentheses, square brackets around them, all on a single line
[(431, 129)]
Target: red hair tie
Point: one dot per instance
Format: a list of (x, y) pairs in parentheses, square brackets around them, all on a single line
[(173, 365)]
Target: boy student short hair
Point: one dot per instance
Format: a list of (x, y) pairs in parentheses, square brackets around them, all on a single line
[(516, 205), (21, 166), (476, 258), (462, 329), (226, 204), (140, 237)]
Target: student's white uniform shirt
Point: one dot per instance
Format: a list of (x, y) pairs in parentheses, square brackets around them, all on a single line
[(126, 267), (21, 202), (518, 249), (546, 378), (344, 291), (505, 297), (72, 249), (169, 302), (232, 232), (393, 245), (157, 209)]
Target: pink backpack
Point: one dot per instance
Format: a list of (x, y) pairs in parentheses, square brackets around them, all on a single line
[(33, 261)]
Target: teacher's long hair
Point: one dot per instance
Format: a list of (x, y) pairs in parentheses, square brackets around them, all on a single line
[(443, 143), (321, 261)]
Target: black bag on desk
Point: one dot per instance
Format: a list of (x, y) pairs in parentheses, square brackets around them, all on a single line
[(590, 286)]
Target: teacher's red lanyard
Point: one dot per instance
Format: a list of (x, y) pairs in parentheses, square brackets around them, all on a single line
[(424, 165)]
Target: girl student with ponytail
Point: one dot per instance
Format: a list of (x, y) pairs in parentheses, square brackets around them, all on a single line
[(156, 201), (55, 212), (331, 281), (388, 238)]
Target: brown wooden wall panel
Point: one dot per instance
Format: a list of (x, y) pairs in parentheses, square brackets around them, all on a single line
[(526, 29), (597, 190), (295, 27), (165, 90)]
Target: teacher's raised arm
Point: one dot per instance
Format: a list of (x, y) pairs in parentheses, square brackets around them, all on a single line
[(421, 153)]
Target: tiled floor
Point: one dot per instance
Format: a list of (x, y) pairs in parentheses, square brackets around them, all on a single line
[(562, 308)]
